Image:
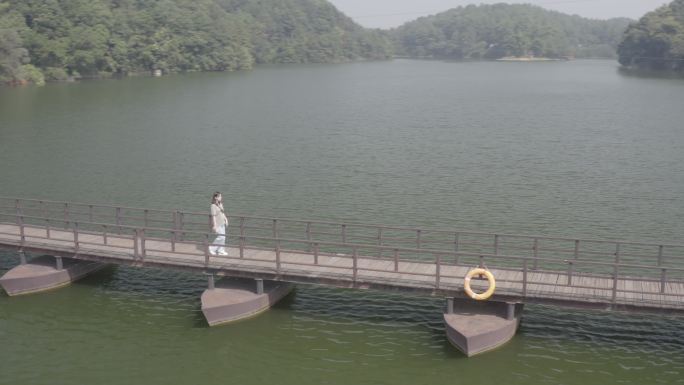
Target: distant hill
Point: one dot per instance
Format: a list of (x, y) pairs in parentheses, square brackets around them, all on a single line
[(656, 41), (500, 30), (92, 38)]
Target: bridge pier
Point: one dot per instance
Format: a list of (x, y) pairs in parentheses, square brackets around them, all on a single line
[(234, 299), (476, 327), (22, 257), (510, 310), (45, 273)]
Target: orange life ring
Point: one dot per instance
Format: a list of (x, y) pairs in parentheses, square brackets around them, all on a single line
[(486, 294)]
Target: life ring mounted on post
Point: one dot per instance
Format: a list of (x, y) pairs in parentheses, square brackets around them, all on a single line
[(490, 277)]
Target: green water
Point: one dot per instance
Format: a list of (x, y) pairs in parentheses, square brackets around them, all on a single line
[(566, 149)]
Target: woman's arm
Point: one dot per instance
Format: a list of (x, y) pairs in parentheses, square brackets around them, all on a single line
[(213, 219)]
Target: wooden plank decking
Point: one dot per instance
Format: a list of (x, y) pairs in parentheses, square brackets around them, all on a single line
[(339, 269)]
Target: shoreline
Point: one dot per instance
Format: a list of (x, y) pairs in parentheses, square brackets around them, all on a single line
[(526, 59), (144, 74)]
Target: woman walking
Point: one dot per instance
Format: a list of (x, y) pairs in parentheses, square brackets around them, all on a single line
[(219, 225)]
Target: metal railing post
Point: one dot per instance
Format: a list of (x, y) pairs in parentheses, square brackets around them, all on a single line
[(456, 255), (535, 253), (524, 283), (181, 227), (175, 227), (315, 251), (143, 246), (380, 242), (570, 269), (615, 283), (76, 243), (22, 230), (615, 273), (242, 237), (42, 209), (356, 267), (277, 250), (496, 244), (663, 278), (17, 207), (66, 215), (396, 260), (136, 249), (104, 234), (206, 250), (118, 218), (438, 268)]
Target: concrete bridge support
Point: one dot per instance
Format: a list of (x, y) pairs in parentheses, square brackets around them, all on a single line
[(45, 273), (234, 299), (478, 326)]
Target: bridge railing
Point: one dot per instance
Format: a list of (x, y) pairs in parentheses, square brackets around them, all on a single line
[(133, 243), (468, 248)]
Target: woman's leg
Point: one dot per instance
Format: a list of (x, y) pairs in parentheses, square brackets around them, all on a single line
[(225, 239), (220, 240), (212, 248)]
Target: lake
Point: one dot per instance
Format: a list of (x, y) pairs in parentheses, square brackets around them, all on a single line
[(568, 149)]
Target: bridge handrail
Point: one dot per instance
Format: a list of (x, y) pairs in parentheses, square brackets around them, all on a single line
[(311, 243), (315, 243), (138, 250), (360, 225)]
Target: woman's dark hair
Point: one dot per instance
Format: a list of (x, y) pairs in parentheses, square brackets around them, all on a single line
[(213, 197)]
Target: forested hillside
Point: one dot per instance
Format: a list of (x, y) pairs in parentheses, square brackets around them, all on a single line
[(495, 31), (55, 39), (656, 41)]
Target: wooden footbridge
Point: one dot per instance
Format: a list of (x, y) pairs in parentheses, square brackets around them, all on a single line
[(605, 274)]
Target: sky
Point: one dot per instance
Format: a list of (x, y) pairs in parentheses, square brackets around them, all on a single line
[(392, 13)]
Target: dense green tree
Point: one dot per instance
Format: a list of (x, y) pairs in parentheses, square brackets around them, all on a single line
[(13, 55), (656, 41), (495, 31), (93, 38)]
